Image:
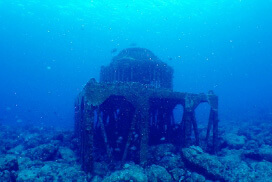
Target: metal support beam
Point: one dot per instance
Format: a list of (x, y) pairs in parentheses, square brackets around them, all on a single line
[(87, 128)]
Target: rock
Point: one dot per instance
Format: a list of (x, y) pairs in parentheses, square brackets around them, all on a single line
[(133, 173), (29, 175), (250, 132), (42, 155), (10, 143), (67, 154), (26, 162), (45, 152), (71, 173), (16, 150), (156, 153), (5, 176), (53, 171), (264, 153), (177, 173), (252, 154), (171, 161), (236, 169), (47, 170), (203, 163), (33, 140), (195, 177), (267, 138), (251, 145), (157, 173), (101, 168), (96, 179), (9, 162), (234, 141), (58, 136), (262, 171)]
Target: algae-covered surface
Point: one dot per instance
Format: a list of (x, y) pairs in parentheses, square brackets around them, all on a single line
[(29, 153)]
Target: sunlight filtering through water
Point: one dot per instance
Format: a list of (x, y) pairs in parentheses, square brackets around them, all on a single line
[(55, 45)]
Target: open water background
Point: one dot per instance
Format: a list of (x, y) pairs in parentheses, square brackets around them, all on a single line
[(49, 49)]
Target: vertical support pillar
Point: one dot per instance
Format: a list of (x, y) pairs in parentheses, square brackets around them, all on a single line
[(103, 130), (88, 138), (189, 121), (210, 123), (143, 112), (213, 120), (82, 135), (195, 128), (188, 115), (77, 120), (215, 131), (129, 139)]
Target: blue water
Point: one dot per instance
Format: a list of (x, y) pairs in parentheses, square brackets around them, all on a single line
[(49, 49)]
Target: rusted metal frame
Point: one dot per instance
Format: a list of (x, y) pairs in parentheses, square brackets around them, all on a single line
[(186, 128), (169, 118), (173, 122), (88, 138), (215, 131), (143, 112), (77, 119), (129, 139), (210, 123), (160, 121), (80, 127), (103, 130), (213, 120), (195, 129), (82, 138), (188, 120)]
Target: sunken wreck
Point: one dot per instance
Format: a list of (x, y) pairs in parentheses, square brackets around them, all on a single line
[(131, 108)]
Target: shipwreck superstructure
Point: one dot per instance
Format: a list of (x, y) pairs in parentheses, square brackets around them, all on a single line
[(131, 108)]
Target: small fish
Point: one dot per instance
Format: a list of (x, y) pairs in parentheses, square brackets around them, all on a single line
[(114, 50), (162, 139), (170, 59), (133, 148), (117, 149), (119, 140)]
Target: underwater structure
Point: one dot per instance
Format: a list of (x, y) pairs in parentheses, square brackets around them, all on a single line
[(131, 108)]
